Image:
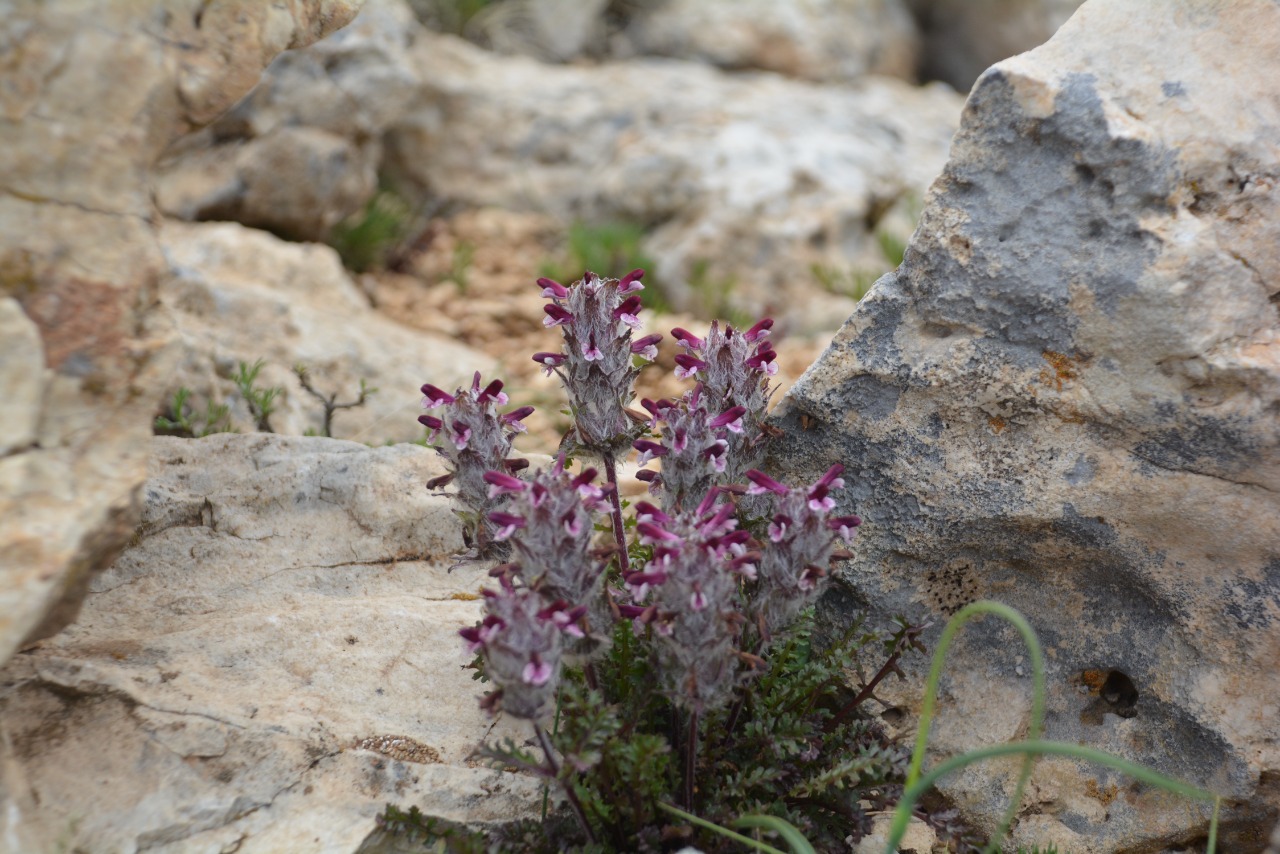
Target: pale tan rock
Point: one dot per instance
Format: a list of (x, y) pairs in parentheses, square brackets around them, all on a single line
[(93, 91), (272, 660), (919, 838), (819, 40), (301, 151), (234, 294), (21, 377), (1066, 400), (744, 180)]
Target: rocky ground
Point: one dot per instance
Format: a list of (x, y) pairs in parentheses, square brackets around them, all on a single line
[(1064, 397)]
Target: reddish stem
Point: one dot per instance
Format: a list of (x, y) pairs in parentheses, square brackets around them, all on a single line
[(619, 534)]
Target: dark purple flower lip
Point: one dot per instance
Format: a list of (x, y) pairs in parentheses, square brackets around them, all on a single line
[(503, 484), (687, 339), (631, 282), (435, 396), (556, 315), (760, 330), (430, 422), (762, 483), (553, 289)]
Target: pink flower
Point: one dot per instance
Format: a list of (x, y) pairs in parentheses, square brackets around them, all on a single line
[(730, 419), (646, 347), (461, 435), (631, 282), (688, 366), (537, 671)]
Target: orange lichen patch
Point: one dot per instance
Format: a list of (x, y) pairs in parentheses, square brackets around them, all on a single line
[(464, 597), (79, 318), (1094, 679), (1102, 796), (399, 747), (997, 423), (1061, 369)]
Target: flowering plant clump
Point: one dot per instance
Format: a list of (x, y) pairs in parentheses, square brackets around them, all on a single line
[(687, 623), (475, 439)]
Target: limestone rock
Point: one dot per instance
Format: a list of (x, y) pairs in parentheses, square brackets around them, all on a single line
[(93, 91), (819, 40), (746, 180), (301, 151), (962, 38), (234, 294), (1067, 399), (271, 661)]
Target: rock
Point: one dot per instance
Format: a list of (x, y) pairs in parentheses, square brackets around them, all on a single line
[(1066, 399), (745, 180), (819, 40), (271, 661), (301, 151), (962, 38), (919, 838), (93, 93), (234, 294)]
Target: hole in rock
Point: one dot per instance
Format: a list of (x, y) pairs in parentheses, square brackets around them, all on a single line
[(1120, 693), (893, 716)]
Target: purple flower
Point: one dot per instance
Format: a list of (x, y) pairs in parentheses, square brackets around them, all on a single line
[(507, 523), (762, 483), (730, 419), (549, 361), (687, 366), (692, 587), (759, 331), (461, 435), (844, 526), (648, 450), (503, 484), (553, 289), (537, 671), (687, 339), (628, 312), (631, 282), (430, 422), (492, 392), (646, 347), (513, 418), (556, 316), (433, 397)]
